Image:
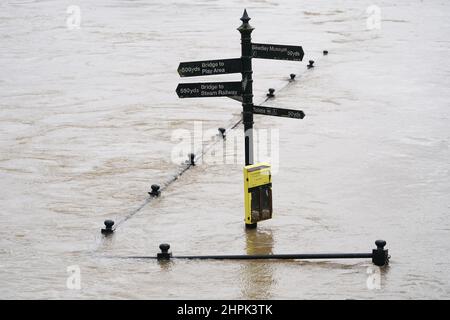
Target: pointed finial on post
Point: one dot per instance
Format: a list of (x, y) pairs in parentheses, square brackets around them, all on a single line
[(245, 26), (245, 18)]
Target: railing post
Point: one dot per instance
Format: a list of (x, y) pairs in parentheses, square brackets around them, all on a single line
[(380, 256)]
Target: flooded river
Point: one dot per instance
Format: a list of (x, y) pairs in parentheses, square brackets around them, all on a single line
[(89, 120)]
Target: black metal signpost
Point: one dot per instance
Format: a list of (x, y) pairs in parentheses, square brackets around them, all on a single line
[(240, 91), (243, 91), (247, 85)]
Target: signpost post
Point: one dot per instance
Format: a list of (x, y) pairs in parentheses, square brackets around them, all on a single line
[(240, 91), (247, 85)]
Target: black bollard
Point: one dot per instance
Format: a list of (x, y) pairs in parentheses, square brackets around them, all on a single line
[(192, 159), (325, 52), (311, 64), (271, 93), (292, 75), (164, 254), (108, 227), (222, 132), (380, 256), (155, 191)]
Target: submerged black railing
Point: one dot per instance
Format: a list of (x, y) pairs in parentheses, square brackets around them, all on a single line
[(380, 255)]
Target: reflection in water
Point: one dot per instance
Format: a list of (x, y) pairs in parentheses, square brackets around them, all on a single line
[(104, 244), (165, 265), (257, 275)]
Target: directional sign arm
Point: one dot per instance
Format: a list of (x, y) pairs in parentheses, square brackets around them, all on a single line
[(209, 89), (278, 112), (209, 67), (277, 52)]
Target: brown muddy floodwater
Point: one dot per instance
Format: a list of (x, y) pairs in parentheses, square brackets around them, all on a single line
[(89, 119)]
